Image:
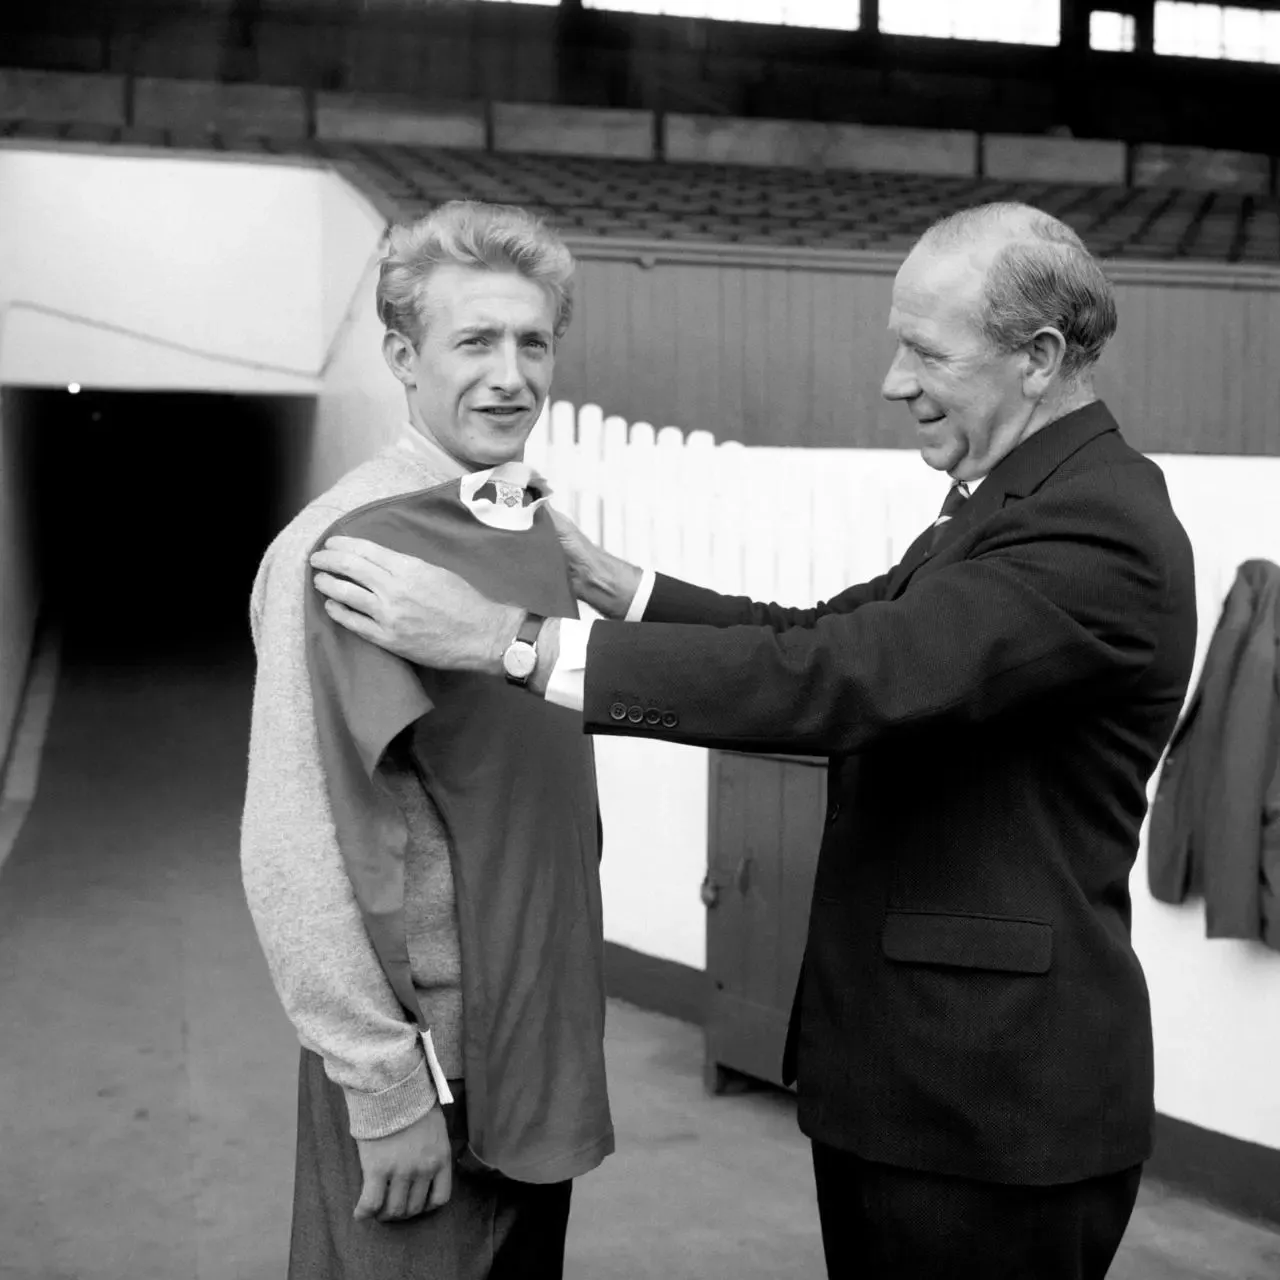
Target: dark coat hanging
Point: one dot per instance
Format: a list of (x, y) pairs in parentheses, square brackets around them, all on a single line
[(1215, 823)]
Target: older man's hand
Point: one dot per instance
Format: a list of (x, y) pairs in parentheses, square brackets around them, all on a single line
[(605, 582), (417, 610)]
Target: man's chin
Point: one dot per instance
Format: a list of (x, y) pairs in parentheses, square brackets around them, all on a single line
[(941, 457), (493, 453)]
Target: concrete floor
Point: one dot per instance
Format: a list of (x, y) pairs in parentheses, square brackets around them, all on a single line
[(147, 1075)]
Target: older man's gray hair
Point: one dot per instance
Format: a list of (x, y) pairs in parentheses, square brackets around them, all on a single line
[(1041, 276)]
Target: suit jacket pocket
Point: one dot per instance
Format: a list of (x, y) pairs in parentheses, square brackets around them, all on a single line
[(1002, 943)]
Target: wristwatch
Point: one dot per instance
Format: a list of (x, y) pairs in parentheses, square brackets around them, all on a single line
[(521, 655)]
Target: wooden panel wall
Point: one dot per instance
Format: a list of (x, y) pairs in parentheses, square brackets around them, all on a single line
[(1196, 369), (794, 355), (760, 355)]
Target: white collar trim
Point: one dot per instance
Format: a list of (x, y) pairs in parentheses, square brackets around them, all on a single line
[(497, 515)]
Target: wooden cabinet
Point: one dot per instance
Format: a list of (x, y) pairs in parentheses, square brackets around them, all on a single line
[(766, 818)]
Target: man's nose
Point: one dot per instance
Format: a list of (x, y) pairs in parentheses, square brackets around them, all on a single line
[(505, 373), (900, 382)]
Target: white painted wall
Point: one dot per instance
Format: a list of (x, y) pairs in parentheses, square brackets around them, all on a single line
[(360, 406), (145, 271), (653, 803), (351, 236)]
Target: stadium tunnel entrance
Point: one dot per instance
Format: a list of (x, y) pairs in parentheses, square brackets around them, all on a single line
[(149, 514)]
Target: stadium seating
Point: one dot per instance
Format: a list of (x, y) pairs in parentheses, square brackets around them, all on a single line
[(732, 204)]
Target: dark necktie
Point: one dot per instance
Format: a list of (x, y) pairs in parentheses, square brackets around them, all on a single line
[(956, 497)]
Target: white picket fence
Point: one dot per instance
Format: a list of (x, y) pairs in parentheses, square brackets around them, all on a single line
[(797, 525), (791, 525)]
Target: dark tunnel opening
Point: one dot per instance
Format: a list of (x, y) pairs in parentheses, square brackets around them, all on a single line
[(151, 512)]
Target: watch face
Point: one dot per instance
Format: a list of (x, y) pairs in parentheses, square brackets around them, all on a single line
[(520, 660)]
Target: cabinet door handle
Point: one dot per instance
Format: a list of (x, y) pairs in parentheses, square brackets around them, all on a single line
[(710, 892)]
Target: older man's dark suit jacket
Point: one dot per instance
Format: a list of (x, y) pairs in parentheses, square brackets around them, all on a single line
[(970, 1001)]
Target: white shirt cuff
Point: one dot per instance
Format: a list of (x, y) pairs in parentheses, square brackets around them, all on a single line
[(640, 601), (566, 685)]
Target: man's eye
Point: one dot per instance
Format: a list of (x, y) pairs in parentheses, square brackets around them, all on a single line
[(476, 341), (537, 343)]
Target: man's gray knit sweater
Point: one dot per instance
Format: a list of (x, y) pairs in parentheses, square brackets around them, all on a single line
[(321, 959)]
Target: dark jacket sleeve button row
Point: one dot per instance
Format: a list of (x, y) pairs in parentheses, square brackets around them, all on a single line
[(638, 715)]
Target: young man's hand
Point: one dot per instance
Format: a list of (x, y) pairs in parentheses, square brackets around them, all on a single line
[(408, 1172)]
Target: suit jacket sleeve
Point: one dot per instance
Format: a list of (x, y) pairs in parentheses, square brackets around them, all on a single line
[(1063, 592), (676, 601)]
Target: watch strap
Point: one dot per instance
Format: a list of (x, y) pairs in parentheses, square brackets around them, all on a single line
[(529, 628)]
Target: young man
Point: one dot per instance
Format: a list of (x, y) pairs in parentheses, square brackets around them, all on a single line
[(420, 851)]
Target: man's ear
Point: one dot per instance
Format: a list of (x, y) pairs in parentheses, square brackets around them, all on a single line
[(400, 354), (1045, 354)]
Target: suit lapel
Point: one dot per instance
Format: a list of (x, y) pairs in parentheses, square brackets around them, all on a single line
[(915, 556), (1018, 474)]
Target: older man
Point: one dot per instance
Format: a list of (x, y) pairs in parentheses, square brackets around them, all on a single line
[(421, 848), (971, 1037)]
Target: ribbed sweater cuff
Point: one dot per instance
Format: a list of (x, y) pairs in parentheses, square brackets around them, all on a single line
[(375, 1115)]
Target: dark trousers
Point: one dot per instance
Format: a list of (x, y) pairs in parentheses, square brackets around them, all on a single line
[(491, 1229), (880, 1222)]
